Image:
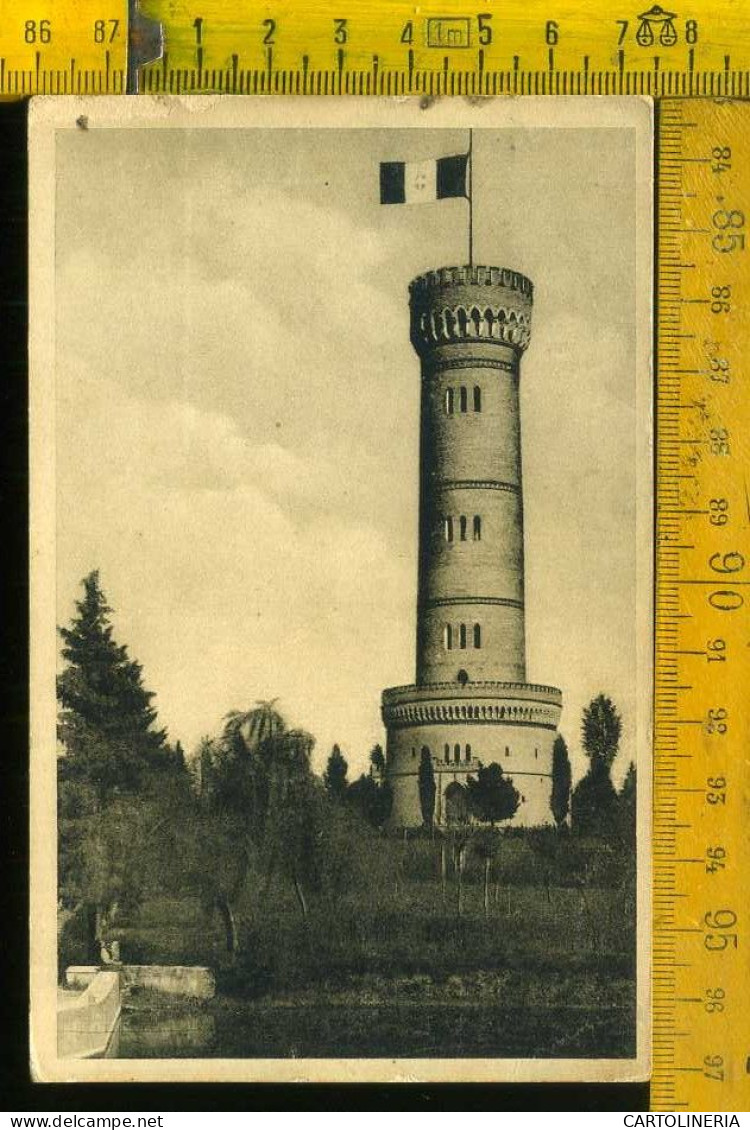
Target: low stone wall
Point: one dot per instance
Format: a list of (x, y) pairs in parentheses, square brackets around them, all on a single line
[(177, 980), (87, 1022), (79, 977)]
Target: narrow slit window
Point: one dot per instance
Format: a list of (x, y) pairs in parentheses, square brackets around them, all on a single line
[(447, 752), (447, 637), (462, 635), (462, 527), (477, 527), (468, 753), (477, 398), (457, 752), (448, 529), (463, 399), (477, 635), (507, 751), (449, 402)]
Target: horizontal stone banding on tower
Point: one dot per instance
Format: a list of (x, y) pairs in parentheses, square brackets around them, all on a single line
[(432, 367), (446, 601), (462, 769), (419, 717)]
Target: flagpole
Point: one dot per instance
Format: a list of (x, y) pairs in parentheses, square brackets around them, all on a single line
[(471, 199)]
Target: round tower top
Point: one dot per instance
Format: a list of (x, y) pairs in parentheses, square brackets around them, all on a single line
[(467, 304)]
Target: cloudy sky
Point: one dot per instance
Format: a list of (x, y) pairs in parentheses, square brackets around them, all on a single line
[(237, 408)]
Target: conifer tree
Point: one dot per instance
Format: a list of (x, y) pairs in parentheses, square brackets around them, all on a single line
[(594, 808), (561, 776), (600, 729), (377, 760), (427, 788), (334, 777)]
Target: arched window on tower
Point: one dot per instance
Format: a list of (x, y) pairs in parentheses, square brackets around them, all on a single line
[(447, 752), (448, 529), (463, 399), (468, 752), (477, 398), (448, 402), (477, 527), (477, 635), (447, 637), (462, 635), (457, 753), (462, 527)]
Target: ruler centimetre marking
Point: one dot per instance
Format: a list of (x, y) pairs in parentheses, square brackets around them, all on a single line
[(701, 873)]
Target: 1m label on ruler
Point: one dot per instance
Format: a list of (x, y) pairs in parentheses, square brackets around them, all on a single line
[(702, 720)]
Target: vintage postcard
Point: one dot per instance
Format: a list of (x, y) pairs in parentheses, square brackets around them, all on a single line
[(341, 589)]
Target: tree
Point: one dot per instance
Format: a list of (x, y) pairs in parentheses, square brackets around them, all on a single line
[(627, 803), (601, 728), (594, 803), (492, 796), (106, 721), (122, 789), (334, 778), (427, 788), (290, 835), (561, 778), (110, 855), (258, 802), (485, 847), (377, 761)]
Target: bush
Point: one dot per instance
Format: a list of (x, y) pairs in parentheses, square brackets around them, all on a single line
[(73, 941)]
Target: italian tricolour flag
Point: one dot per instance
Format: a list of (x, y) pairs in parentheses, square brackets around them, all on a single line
[(420, 182)]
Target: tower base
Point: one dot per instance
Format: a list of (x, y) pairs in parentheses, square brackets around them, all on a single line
[(463, 727)]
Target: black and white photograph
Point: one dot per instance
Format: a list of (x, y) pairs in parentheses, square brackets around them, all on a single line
[(341, 589)]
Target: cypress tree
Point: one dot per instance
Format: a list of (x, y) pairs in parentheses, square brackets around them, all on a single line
[(427, 788), (561, 776), (334, 777)]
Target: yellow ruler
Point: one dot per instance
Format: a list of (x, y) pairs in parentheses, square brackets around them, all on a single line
[(376, 47), (702, 749), (695, 59)]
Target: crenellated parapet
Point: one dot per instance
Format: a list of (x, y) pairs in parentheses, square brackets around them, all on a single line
[(473, 276), (471, 304)]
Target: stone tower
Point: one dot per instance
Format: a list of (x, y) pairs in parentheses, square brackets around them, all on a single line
[(471, 703)]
